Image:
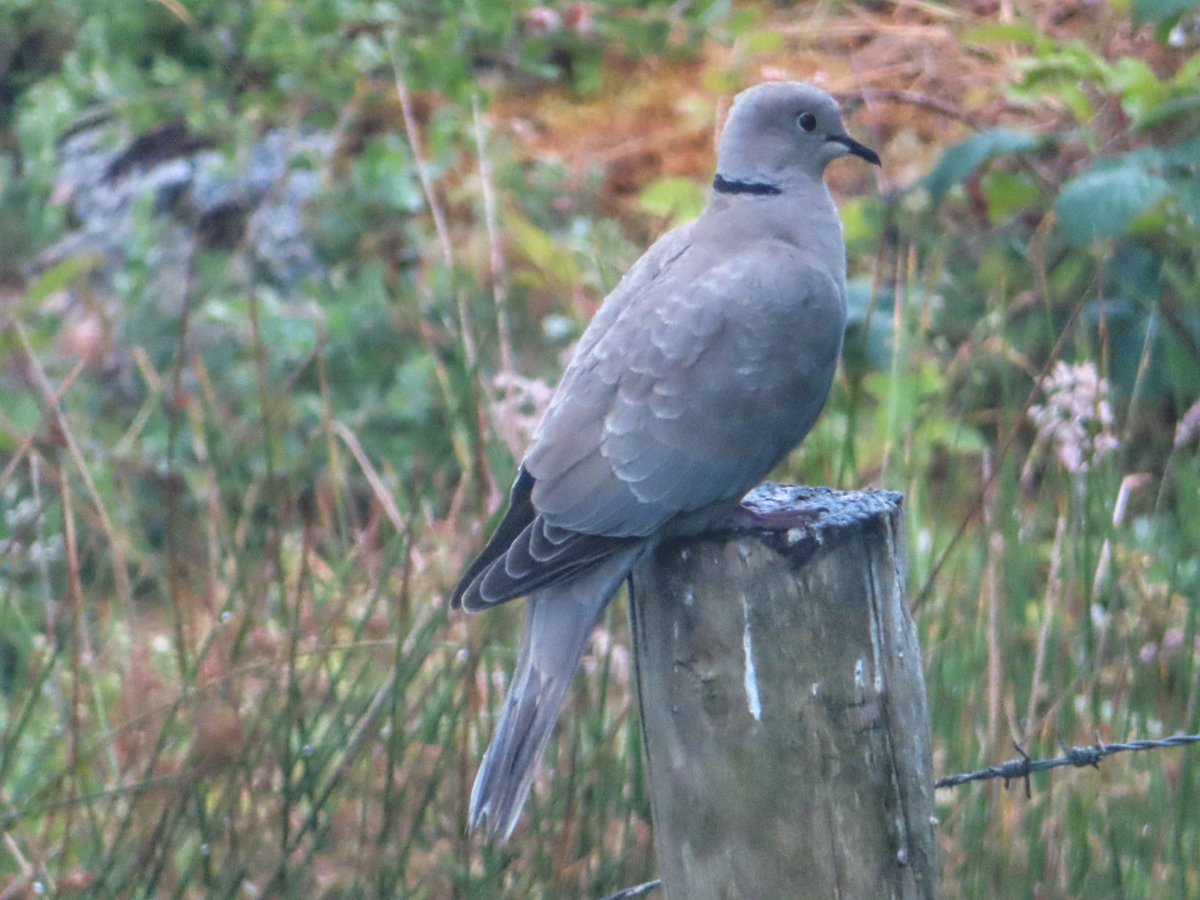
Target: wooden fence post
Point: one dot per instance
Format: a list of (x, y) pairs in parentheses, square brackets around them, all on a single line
[(783, 705)]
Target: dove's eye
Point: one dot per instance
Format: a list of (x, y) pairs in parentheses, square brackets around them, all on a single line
[(807, 121)]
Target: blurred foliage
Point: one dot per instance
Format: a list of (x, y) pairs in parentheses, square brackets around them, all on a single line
[(231, 501), (1128, 220)]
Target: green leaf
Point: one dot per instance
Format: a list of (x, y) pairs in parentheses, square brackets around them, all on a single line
[(861, 222), (540, 251), (765, 40), (1005, 33), (960, 161), (1008, 194), (1077, 99), (1172, 108), (60, 276), (1102, 203), (1139, 88), (1158, 10), (678, 198)]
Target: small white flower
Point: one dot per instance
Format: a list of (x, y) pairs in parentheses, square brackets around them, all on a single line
[(1077, 417)]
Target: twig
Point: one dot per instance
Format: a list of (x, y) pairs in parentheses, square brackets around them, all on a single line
[(867, 96), (74, 600), (413, 133), (496, 262), (989, 590), (382, 495), (1049, 607), (52, 400), (1079, 757), (9, 819), (466, 449), (27, 870)]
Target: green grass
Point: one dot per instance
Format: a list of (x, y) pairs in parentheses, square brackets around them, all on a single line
[(229, 529)]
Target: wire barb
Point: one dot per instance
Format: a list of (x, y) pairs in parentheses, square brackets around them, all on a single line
[(1079, 757), (1019, 769)]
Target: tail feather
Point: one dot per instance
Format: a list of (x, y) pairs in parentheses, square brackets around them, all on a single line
[(559, 621)]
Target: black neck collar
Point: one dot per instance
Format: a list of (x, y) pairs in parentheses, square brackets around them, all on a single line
[(723, 185)]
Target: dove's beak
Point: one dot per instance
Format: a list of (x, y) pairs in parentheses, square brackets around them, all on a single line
[(854, 147)]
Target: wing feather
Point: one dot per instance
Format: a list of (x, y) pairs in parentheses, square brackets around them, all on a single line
[(693, 393), (693, 381)]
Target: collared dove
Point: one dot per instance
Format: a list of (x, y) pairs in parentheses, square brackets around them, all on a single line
[(702, 370)]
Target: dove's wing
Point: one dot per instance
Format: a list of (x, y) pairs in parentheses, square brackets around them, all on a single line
[(682, 396)]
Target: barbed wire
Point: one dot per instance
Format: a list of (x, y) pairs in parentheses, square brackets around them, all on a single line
[(1018, 769), (1079, 757)]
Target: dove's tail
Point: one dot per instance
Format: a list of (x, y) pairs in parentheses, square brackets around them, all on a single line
[(560, 619)]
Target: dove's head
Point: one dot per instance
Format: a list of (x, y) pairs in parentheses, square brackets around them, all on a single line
[(783, 131)]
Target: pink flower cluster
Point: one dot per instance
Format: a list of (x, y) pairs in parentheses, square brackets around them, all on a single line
[(1077, 417)]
